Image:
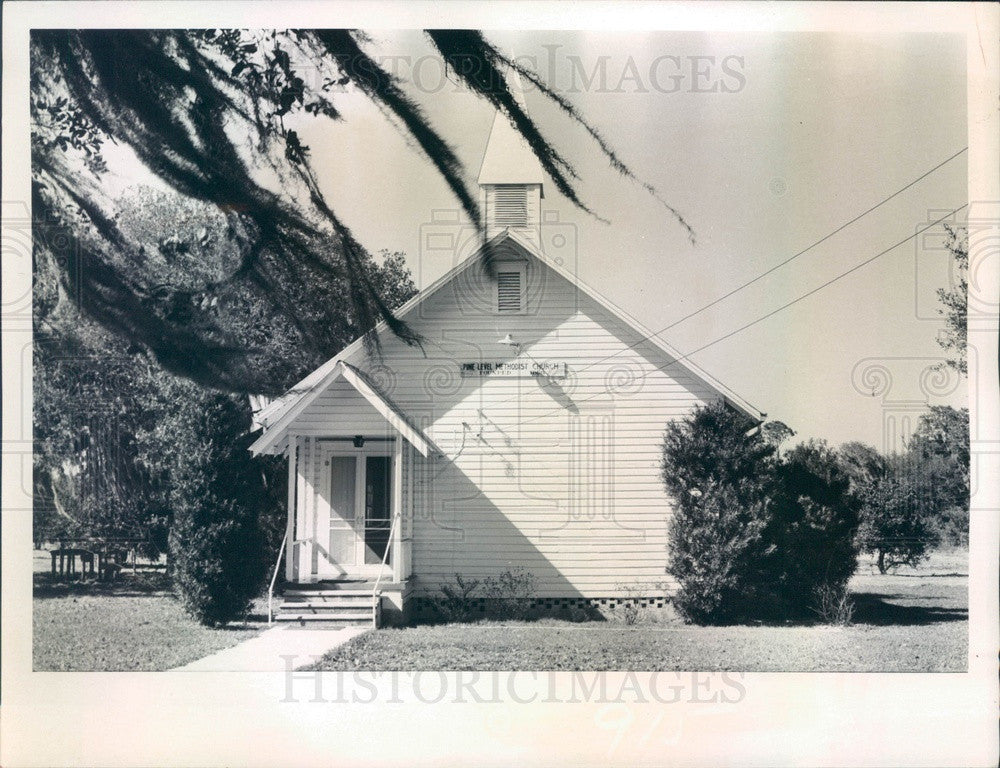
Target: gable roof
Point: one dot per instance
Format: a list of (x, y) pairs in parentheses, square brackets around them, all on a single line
[(281, 412), (363, 385)]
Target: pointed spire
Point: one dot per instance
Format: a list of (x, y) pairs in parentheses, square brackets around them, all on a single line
[(508, 158)]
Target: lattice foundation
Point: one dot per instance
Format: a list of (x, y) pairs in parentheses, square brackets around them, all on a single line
[(544, 606)]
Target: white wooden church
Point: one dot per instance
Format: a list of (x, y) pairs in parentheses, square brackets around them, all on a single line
[(525, 432)]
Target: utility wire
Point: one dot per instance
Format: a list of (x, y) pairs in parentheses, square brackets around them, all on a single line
[(770, 270), (779, 265), (773, 312)]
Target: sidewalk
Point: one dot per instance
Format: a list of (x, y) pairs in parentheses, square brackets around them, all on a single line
[(267, 651)]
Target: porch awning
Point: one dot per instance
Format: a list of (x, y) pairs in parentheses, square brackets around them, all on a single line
[(279, 428)]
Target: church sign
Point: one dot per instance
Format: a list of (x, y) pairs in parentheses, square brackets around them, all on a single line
[(512, 369)]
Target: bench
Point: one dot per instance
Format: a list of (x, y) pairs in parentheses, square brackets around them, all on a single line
[(109, 571)]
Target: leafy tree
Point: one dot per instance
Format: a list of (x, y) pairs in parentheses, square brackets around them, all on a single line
[(186, 244), (939, 451), (955, 302), (213, 113), (776, 432), (943, 433), (897, 520), (914, 500), (862, 464), (93, 401)]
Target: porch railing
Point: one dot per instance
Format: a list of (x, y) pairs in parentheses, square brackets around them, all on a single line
[(376, 594), (274, 577)]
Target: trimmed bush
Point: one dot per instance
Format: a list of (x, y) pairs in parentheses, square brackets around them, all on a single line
[(814, 519), (213, 566), (217, 495), (754, 536), (718, 470)]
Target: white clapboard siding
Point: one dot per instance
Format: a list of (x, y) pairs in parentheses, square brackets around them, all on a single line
[(342, 411), (561, 476)]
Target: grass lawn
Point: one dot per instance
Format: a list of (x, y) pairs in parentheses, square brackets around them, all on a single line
[(913, 621), (133, 624)]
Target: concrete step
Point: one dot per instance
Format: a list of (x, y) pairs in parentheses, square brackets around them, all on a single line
[(328, 592), (346, 619), (325, 608), (346, 597)]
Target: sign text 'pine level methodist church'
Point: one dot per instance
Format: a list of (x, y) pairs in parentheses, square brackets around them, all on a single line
[(513, 369)]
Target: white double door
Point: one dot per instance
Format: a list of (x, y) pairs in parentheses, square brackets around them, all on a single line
[(354, 512)]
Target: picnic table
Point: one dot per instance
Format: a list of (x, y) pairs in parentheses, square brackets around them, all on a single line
[(66, 557), (103, 558)]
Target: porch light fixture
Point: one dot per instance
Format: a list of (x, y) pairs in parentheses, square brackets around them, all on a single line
[(507, 341), (359, 441)]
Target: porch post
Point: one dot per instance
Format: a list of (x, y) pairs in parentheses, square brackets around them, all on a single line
[(307, 527), (397, 508), (293, 471), (409, 455)]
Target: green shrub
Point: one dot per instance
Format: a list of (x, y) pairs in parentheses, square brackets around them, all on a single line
[(510, 594), (720, 559), (213, 566), (717, 470), (505, 596), (814, 519), (753, 535), (218, 496), (457, 601)]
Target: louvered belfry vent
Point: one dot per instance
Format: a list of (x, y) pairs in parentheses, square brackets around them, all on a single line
[(510, 205), (509, 291)]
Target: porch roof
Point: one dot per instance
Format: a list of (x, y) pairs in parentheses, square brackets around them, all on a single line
[(274, 433)]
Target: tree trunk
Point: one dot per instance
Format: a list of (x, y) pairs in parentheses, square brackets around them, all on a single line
[(881, 561)]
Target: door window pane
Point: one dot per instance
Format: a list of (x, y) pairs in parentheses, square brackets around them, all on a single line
[(378, 507), (342, 550)]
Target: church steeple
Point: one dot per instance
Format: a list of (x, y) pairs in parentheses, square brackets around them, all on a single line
[(511, 179)]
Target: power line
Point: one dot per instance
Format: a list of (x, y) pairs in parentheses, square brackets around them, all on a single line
[(773, 312), (777, 266), (769, 271)]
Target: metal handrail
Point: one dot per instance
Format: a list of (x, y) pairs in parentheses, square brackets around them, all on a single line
[(274, 577), (376, 595)]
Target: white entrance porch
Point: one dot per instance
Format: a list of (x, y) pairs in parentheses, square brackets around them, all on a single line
[(349, 451), (347, 531), (347, 544)]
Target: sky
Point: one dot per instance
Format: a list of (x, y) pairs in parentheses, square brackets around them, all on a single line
[(765, 143)]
